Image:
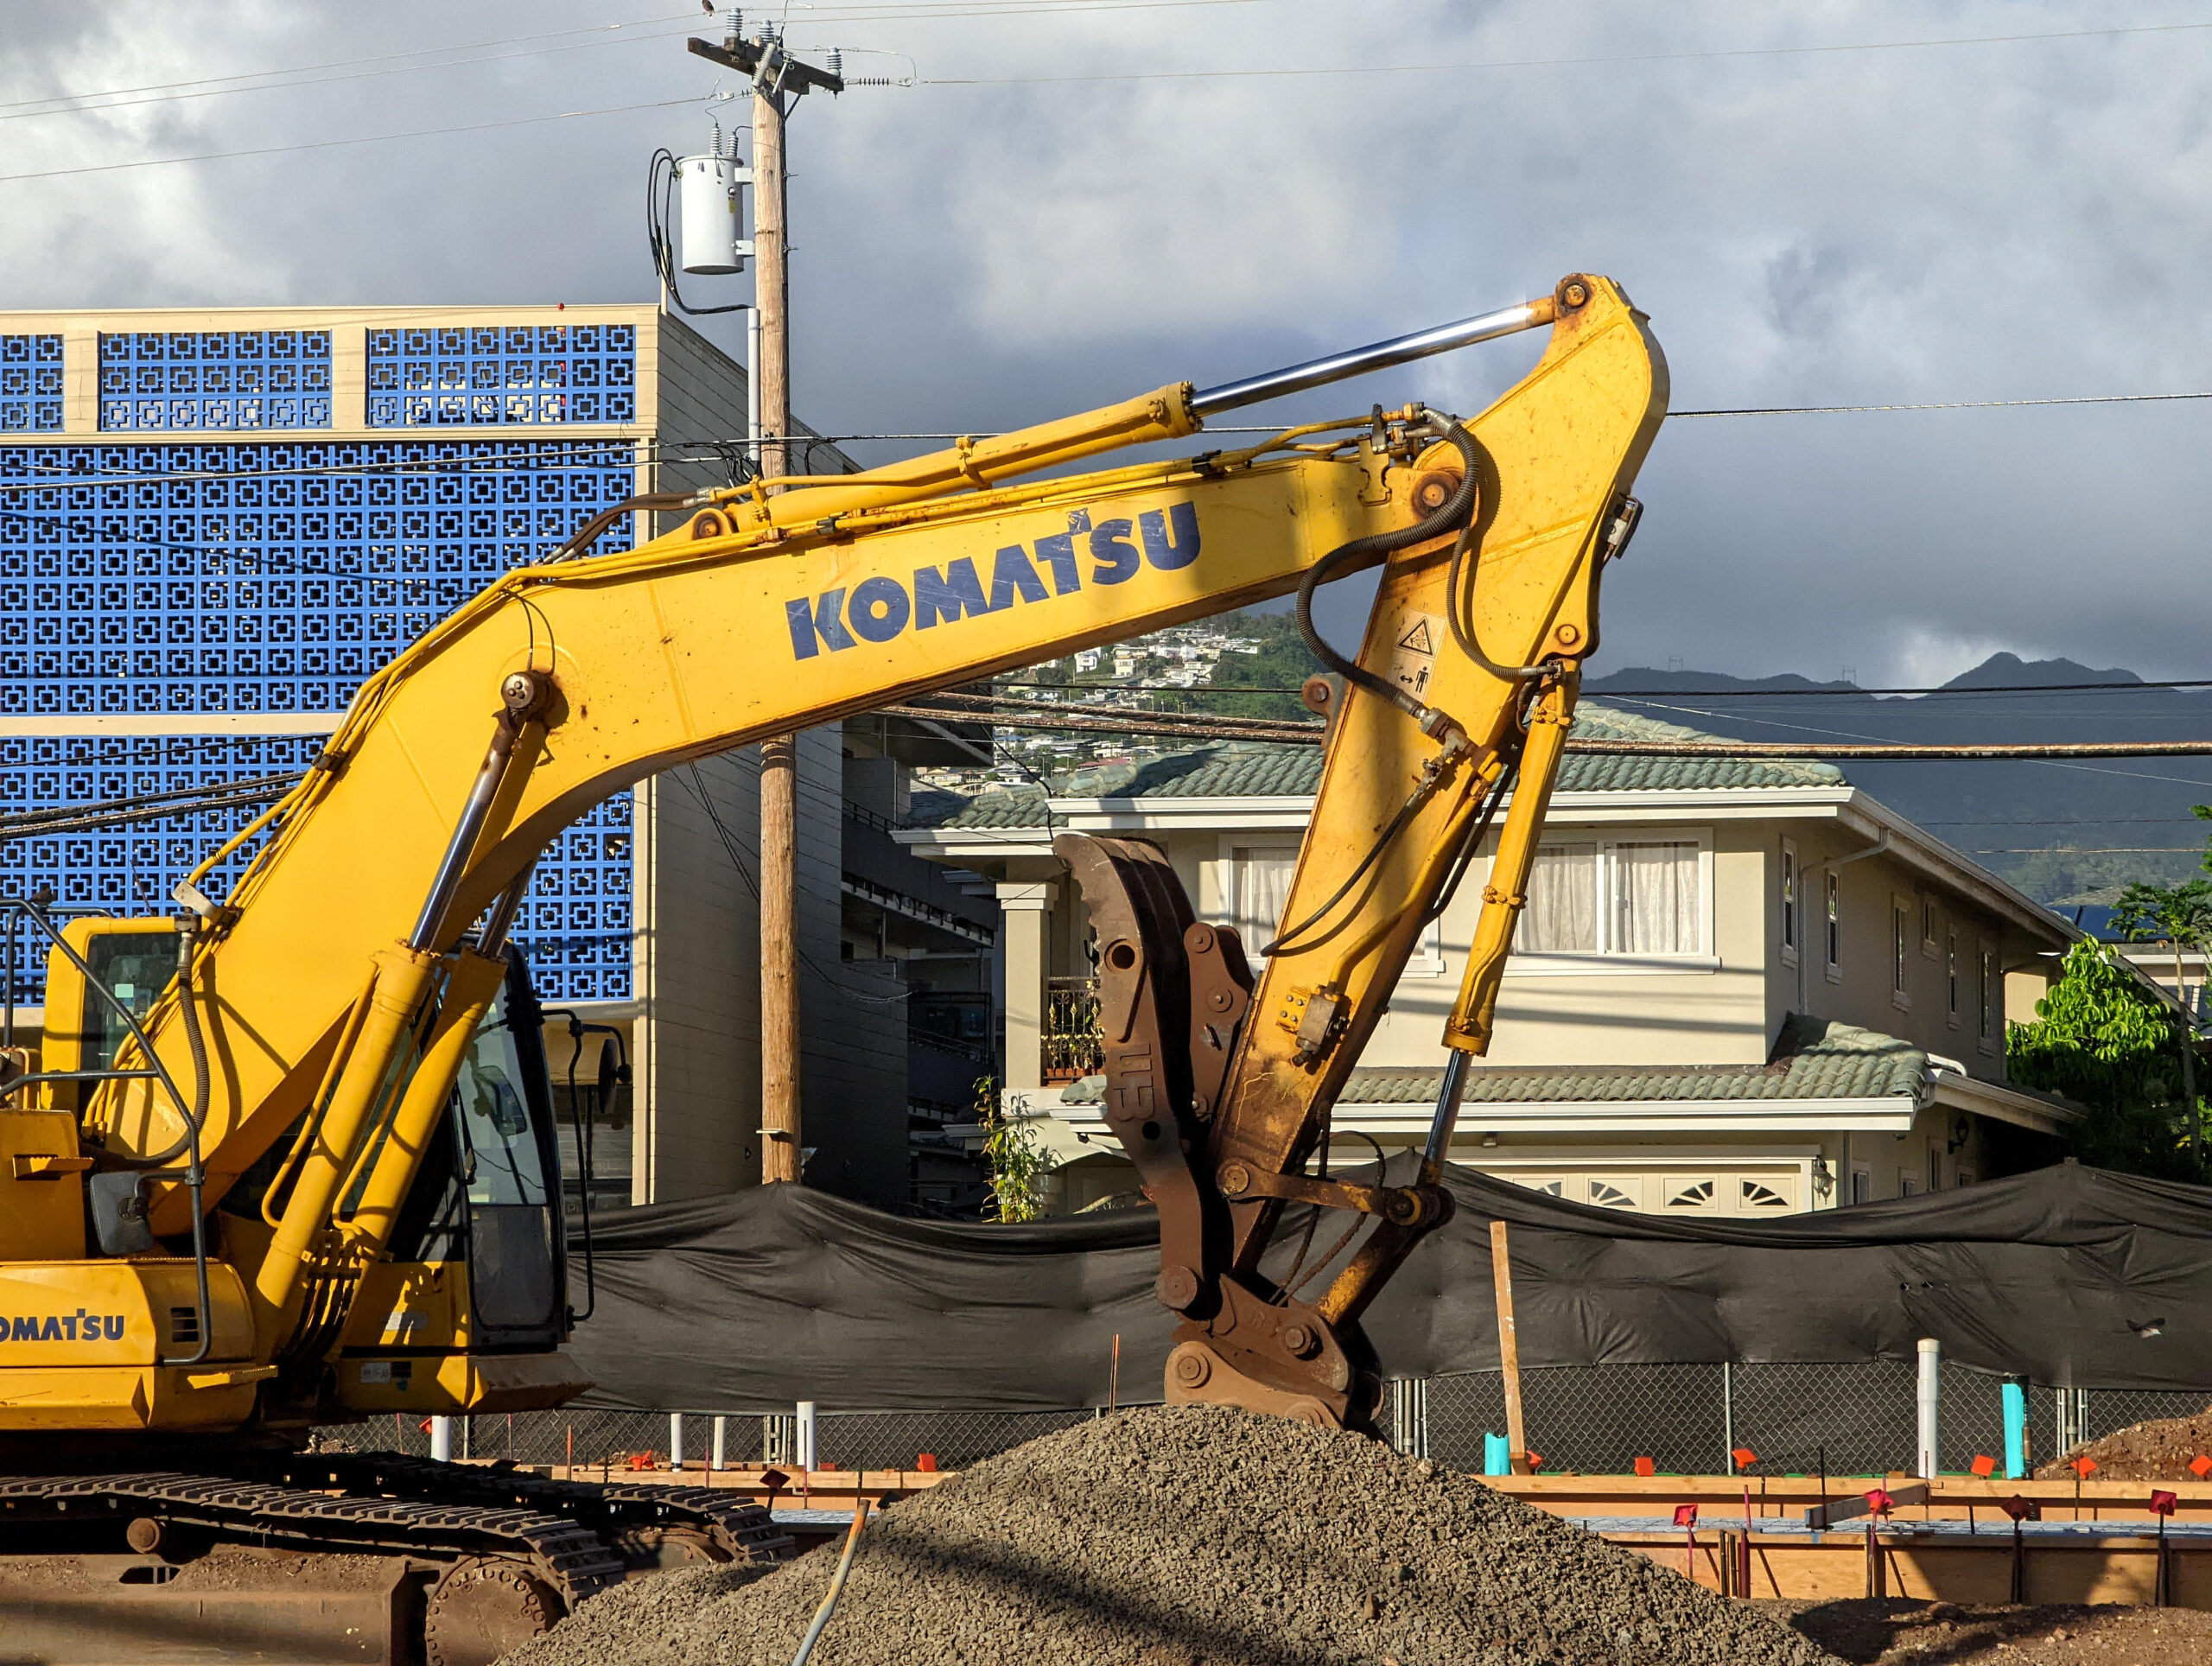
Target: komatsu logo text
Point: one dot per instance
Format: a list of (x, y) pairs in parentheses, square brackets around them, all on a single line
[(1113, 551), (80, 1327)]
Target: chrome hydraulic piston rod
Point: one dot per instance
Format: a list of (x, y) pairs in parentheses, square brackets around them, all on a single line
[(1380, 355)]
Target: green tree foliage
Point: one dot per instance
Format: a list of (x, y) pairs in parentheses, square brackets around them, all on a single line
[(2100, 1039), (2177, 914), (1014, 1158), (1283, 663)]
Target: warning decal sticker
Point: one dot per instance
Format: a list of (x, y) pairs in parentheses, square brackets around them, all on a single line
[(1413, 662)]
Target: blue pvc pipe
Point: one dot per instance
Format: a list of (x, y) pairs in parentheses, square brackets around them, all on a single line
[(1497, 1455), (2016, 1431)]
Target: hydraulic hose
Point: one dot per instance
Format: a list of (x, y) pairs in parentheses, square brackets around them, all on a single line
[(1456, 513)]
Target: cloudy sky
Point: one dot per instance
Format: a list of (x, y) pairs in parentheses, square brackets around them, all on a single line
[(1827, 202)]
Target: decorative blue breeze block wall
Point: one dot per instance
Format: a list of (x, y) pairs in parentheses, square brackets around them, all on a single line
[(30, 384), (214, 379), (268, 577), (575, 926), (422, 377), (264, 577)]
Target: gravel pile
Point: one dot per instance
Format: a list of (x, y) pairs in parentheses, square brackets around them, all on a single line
[(2157, 1451), (1193, 1536)]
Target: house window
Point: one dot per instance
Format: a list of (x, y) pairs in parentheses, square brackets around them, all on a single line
[(1261, 885), (1951, 978), (1656, 897), (1900, 924), (1606, 1195), (1928, 927), (1756, 1197), (1789, 903), (1691, 1194), (1988, 999), (1935, 1169), (1834, 925), (1964, 1177), (1862, 1185), (1561, 916), (1641, 897), (1907, 1187)]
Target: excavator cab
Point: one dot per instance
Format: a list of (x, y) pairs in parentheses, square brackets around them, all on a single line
[(476, 1268)]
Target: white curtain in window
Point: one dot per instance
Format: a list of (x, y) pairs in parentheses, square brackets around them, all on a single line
[(1263, 875), (1562, 916), (1659, 908)]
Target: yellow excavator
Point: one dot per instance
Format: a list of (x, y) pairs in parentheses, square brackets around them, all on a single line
[(313, 1179)]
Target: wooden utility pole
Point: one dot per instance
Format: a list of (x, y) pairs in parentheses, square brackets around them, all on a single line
[(778, 81), (779, 1025)]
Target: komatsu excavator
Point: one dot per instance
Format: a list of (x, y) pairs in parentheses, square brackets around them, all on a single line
[(313, 1180)]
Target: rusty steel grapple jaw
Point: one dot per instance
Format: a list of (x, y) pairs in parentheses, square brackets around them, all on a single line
[(1173, 992)]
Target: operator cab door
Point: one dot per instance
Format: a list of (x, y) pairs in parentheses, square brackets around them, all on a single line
[(489, 1193)]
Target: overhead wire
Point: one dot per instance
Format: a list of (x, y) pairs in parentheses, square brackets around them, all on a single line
[(1593, 691), (1579, 62), (734, 851), (75, 104), (332, 144), (1070, 6)]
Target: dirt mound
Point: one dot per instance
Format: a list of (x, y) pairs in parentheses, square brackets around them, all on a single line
[(2157, 1451), (1193, 1537)]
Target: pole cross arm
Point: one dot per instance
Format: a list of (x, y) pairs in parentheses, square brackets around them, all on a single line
[(748, 59)]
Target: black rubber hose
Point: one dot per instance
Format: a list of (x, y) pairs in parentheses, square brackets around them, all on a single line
[(1457, 512)]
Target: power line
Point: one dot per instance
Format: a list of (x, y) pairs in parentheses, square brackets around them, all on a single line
[(1943, 404), (2092, 850), (1706, 55), (128, 98), (1035, 715), (1593, 692), (1154, 75), (1596, 693), (487, 52), (329, 144)]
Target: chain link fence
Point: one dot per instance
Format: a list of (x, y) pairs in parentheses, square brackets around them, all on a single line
[(1799, 1419)]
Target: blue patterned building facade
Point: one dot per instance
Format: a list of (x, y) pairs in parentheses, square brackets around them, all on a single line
[(212, 527)]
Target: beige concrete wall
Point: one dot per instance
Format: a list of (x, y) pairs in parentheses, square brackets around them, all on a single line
[(697, 1092), (348, 325), (698, 1130), (1716, 1012), (1860, 991)]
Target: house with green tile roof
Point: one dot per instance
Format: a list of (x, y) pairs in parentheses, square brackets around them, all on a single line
[(1738, 987)]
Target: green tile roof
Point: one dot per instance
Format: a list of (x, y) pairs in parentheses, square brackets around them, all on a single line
[(1241, 771), (1019, 806), (1813, 1058)]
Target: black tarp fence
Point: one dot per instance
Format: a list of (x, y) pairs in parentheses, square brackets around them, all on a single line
[(2070, 1276)]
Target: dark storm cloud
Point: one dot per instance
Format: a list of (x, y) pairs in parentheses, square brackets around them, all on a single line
[(1967, 222)]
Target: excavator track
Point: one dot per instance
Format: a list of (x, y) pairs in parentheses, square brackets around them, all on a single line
[(317, 1558), (567, 1554), (615, 1509)]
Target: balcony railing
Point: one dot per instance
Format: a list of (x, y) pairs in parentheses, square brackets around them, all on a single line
[(1073, 1048)]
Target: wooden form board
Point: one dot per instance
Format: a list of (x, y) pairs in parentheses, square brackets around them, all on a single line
[(1949, 1497), (2121, 1569), (824, 1489)]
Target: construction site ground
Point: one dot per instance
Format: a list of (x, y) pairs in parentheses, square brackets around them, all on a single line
[(1891, 1631)]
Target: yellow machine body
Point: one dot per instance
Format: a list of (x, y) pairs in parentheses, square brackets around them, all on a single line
[(334, 1036)]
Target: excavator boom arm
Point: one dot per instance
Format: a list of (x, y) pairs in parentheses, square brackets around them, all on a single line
[(761, 615)]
